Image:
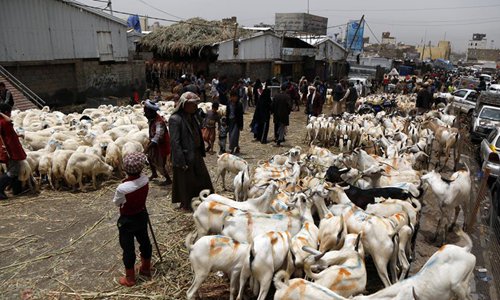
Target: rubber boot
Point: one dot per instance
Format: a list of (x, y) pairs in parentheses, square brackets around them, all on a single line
[(128, 279), (17, 186), (145, 268), (5, 180)]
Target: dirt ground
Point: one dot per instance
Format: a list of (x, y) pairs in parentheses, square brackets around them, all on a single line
[(63, 245)]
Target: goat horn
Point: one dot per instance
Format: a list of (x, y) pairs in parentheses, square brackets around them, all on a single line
[(312, 251)]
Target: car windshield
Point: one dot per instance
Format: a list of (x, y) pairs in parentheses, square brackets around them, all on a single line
[(490, 114), (497, 144), (460, 93)]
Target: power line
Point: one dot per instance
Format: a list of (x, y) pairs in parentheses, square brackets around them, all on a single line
[(369, 28), (444, 21), (412, 9), (167, 13), (139, 15), (438, 25)]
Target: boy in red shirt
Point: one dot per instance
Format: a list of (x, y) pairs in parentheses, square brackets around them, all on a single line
[(131, 197)]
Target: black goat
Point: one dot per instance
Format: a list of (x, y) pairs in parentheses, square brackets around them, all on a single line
[(362, 198), (333, 174)]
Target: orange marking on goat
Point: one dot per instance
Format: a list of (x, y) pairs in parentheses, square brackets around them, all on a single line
[(214, 249), (336, 284), (303, 239), (212, 207), (343, 271), (442, 248), (306, 225), (299, 284), (271, 236)]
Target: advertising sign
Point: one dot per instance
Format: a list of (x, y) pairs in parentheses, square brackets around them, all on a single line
[(355, 43)]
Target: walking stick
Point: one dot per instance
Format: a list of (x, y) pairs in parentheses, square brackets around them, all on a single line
[(154, 237)]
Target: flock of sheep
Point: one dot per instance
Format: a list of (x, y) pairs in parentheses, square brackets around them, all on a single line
[(69, 148), (307, 220)]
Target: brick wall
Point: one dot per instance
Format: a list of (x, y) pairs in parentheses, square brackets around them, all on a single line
[(53, 83)]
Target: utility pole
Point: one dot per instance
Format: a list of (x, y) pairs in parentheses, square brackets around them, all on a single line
[(355, 34), (308, 6), (430, 50), (236, 46)]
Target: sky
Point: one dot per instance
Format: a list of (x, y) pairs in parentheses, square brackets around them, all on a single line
[(412, 23)]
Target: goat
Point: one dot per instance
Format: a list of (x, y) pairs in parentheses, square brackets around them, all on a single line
[(447, 138), (215, 253), (241, 184), (378, 232), (450, 195), (244, 227), (300, 289), (268, 253), (228, 162), (341, 271), (362, 198), (445, 275)]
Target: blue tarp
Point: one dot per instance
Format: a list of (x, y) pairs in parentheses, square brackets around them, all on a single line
[(133, 22), (357, 45)]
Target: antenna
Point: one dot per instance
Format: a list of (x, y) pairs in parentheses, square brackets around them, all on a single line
[(110, 7)]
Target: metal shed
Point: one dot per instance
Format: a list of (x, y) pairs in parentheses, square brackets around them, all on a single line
[(43, 30)]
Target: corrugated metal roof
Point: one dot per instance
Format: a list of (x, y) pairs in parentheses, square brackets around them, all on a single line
[(320, 39), (94, 11)]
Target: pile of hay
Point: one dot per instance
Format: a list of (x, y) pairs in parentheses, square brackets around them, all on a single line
[(187, 37)]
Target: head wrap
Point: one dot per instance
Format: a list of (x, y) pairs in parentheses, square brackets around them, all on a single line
[(186, 97), (133, 163)]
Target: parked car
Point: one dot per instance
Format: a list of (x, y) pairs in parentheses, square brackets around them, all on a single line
[(464, 100), (484, 122), (489, 152), (366, 82), (494, 88)]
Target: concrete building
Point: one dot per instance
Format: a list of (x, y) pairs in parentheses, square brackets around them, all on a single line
[(478, 41), (66, 52), (442, 50), (387, 39)]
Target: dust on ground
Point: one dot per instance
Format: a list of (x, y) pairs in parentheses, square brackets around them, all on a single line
[(64, 245)]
